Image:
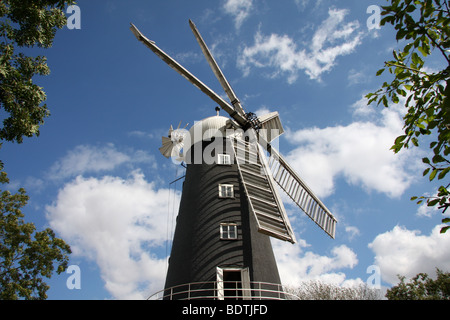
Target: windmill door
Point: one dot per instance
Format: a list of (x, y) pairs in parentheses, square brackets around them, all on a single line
[(233, 284)]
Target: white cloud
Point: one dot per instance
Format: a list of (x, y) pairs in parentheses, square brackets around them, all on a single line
[(357, 77), (94, 159), (362, 110), (333, 38), (352, 232), (240, 9), (296, 266), (142, 134), (120, 224), (407, 252), (358, 152), (263, 110), (302, 4)]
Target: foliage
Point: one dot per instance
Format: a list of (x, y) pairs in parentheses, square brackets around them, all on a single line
[(25, 23), (25, 261), (422, 287), (26, 256), (318, 290), (423, 27)]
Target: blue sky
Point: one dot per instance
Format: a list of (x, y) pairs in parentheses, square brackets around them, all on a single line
[(96, 177)]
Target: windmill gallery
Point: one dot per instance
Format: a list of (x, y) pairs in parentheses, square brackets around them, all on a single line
[(230, 206)]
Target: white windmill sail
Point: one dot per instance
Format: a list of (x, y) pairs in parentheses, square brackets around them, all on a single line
[(301, 194), (215, 68), (263, 198), (186, 74), (270, 126)]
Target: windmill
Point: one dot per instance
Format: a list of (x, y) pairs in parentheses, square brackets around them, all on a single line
[(230, 207), (173, 143)]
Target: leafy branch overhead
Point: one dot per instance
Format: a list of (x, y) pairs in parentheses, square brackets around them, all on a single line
[(25, 24), (423, 27), (27, 256)]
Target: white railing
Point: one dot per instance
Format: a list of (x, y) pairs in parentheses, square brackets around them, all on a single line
[(224, 290)]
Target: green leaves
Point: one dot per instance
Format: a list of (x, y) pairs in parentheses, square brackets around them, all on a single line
[(433, 174), (25, 25), (398, 144), (379, 72), (26, 256), (421, 287), (444, 229), (425, 27), (417, 62)]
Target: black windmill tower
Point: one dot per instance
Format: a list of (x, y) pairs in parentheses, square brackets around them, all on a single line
[(230, 206)]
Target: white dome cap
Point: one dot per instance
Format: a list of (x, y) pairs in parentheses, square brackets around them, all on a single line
[(215, 126)]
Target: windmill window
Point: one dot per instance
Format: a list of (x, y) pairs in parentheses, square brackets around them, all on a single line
[(228, 231), (226, 191), (223, 159)]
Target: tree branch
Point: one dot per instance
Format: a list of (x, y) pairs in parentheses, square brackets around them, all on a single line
[(404, 67), (437, 45)]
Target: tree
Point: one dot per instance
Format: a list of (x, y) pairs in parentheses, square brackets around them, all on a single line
[(422, 287), (318, 290), (424, 30), (25, 23), (26, 256)]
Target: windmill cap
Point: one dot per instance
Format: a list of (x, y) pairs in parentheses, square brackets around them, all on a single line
[(215, 126)]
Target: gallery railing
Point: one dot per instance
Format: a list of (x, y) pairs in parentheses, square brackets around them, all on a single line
[(224, 290)]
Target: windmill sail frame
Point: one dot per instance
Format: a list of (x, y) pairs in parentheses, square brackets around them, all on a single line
[(297, 189), (263, 198), (187, 75), (278, 225)]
